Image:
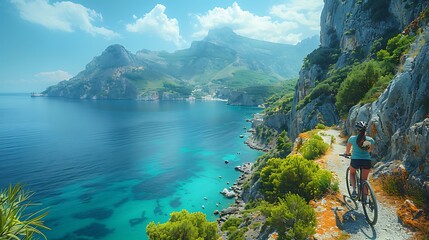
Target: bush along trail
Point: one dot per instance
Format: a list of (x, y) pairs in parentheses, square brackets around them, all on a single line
[(339, 216)]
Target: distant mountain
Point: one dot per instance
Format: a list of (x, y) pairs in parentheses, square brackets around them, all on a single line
[(223, 64)]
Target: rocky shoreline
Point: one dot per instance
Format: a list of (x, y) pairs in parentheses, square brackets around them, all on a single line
[(237, 189), (253, 144)]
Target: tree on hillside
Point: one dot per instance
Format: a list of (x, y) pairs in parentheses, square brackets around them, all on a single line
[(183, 226), (283, 145), (294, 174), (356, 85), (293, 218)]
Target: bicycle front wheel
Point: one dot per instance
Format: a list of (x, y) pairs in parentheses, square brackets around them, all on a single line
[(349, 184), (370, 207)]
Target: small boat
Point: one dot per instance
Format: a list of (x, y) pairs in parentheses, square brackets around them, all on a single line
[(226, 161), (241, 136), (34, 94)]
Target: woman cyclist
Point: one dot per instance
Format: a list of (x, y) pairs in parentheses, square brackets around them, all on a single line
[(361, 146)]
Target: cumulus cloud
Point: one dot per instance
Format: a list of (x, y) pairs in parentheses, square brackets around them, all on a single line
[(54, 76), (64, 16), (306, 13), (157, 22), (274, 28)]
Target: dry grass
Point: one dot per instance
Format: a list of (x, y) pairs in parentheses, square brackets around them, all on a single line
[(415, 218), (411, 215), (326, 217)]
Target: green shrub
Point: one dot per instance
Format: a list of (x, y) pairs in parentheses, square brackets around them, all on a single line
[(264, 134), (231, 226), (358, 82), (377, 89), (396, 184), (396, 47), (328, 87), (282, 105), (335, 186), (183, 225), (376, 46), (320, 126), (238, 234), (283, 145), (313, 148), (293, 218), (322, 56), (294, 174), (231, 222)]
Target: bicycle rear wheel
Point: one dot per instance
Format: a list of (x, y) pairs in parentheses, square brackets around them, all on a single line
[(370, 207)]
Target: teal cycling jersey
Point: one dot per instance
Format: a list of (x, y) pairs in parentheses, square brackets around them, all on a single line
[(357, 152)]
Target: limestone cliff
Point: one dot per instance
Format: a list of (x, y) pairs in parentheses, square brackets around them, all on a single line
[(350, 31), (399, 119)]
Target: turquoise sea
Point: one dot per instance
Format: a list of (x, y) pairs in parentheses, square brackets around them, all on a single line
[(105, 169)]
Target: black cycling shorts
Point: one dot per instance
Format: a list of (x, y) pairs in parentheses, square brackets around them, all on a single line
[(361, 163)]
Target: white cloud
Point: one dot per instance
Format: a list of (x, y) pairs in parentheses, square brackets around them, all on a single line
[(305, 13), (65, 16), (157, 22), (277, 27), (54, 76)]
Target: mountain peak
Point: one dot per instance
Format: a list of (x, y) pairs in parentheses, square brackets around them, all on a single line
[(220, 35), (221, 31), (113, 56)]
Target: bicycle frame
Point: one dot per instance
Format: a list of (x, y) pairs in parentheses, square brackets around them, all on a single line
[(370, 207)]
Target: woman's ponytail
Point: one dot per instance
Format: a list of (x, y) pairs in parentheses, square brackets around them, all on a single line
[(361, 127), (360, 138)]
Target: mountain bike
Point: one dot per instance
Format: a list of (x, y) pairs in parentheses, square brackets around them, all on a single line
[(369, 205)]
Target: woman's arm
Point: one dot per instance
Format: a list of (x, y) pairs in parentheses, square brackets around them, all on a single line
[(348, 147)]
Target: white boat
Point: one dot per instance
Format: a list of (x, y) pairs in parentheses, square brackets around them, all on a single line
[(34, 94)]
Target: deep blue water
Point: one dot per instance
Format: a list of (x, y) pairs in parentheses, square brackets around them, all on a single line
[(105, 169)]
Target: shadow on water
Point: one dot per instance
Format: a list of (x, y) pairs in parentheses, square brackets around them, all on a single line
[(139, 220), (353, 221), (91, 231)]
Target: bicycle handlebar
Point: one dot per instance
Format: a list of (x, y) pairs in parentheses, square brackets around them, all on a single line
[(344, 155)]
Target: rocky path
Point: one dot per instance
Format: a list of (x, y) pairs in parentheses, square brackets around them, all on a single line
[(350, 217)]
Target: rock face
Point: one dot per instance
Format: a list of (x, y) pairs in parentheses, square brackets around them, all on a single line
[(350, 24), (399, 119), (352, 27)]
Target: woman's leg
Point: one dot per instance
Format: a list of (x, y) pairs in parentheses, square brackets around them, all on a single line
[(365, 173), (353, 177)]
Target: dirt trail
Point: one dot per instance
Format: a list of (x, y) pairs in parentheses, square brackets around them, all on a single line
[(350, 217)]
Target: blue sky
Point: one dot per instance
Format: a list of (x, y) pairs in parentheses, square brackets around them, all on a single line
[(43, 42)]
